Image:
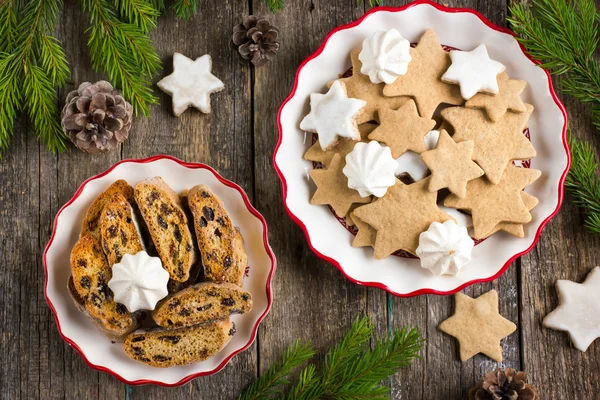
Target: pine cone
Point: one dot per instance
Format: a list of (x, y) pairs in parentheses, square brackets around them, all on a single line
[(96, 117), (504, 385), (256, 40)]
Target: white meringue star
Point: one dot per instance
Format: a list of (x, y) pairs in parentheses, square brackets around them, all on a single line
[(332, 115), (578, 311), (474, 71), (191, 83)]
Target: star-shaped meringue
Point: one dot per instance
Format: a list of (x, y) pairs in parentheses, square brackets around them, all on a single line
[(474, 71), (191, 83), (478, 325), (333, 115), (578, 311)]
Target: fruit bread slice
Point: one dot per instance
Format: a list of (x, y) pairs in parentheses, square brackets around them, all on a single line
[(169, 347), (161, 208), (119, 234), (221, 244), (90, 274), (200, 303), (91, 223)]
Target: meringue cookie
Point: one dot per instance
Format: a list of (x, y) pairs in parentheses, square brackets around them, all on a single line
[(445, 248), (332, 115), (139, 281), (385, 56), (370, 169)]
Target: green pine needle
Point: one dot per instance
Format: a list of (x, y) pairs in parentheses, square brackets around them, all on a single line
[(142, 13), (185, 8), (124, 51), (270, 383), (583, 182), (372, 3), (275, 5), (351, 370)]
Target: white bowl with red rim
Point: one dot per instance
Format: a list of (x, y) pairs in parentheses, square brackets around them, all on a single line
[(78, 330), (458, 28)]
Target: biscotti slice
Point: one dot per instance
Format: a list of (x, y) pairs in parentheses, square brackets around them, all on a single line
[(119, 234), (200, 303), (161, 208), (90, 274), (221, 244), (169, 347), (91, 223), (79, 302)]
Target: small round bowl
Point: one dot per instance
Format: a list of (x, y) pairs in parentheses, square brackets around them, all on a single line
[(457, 28), (79, 331)]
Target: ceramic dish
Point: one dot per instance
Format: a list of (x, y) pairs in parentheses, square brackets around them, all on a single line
[(458, 28), (78, 330)]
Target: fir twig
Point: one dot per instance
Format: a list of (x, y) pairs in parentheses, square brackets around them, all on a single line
[(124, 51), (352, 370), (185, 8), (271, 382), (142, 13), (583, 182)]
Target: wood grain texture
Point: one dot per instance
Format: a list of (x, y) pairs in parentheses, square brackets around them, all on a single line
[(312, 300)]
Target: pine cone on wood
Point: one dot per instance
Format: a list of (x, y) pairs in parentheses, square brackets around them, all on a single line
[(256, 40), (96, 117), (504, 385)]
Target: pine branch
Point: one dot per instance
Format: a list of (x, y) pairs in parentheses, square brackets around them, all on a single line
[(583, 182), (270, 384), (185, 8), (372, 3), (141, 13), (275, 5), (124, 51)]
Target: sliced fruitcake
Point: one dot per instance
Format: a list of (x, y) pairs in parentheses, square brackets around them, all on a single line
[(200, 303), (91, 223), (168, 225), (119, 234), (169, 347), (221, 244), (90, 274)]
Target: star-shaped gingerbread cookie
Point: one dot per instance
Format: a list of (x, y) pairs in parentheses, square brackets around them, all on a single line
[(400, 216), (423, 80), (365, 235), (402, 129), (478, 325), (508, 98), (492, 204), (496, 143), (360, 86), (343, 146), (578, 311), (451, 165), (191, 83), (517, 229), (332, 188)]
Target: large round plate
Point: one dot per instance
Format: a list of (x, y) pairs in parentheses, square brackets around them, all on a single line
[(78, 330), (458, 28)]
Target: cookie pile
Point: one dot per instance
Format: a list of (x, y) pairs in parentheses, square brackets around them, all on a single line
[(138, 251), (398, 168)]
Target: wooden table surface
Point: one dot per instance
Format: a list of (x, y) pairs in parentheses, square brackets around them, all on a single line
[(312, 300)]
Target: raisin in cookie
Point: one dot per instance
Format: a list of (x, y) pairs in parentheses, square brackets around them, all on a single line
[(220, 243), (168, 225), (118, 231), (90, 274), (200, 303), (91, 222), (165, 348)]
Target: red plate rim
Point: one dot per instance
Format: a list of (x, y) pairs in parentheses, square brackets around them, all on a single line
[(491, 25), (268, 249)]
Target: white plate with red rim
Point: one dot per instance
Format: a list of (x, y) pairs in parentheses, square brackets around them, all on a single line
[(78, 330), (459, 28)]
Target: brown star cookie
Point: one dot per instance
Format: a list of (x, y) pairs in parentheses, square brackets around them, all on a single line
[(496, 143), (400, 216), (332, 188), (491, 204), (359, 86), (423, 80), (402, 129), (342, 147), (366, 234), (517, 229), (451, 165), (508, 98), (478, 325)]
